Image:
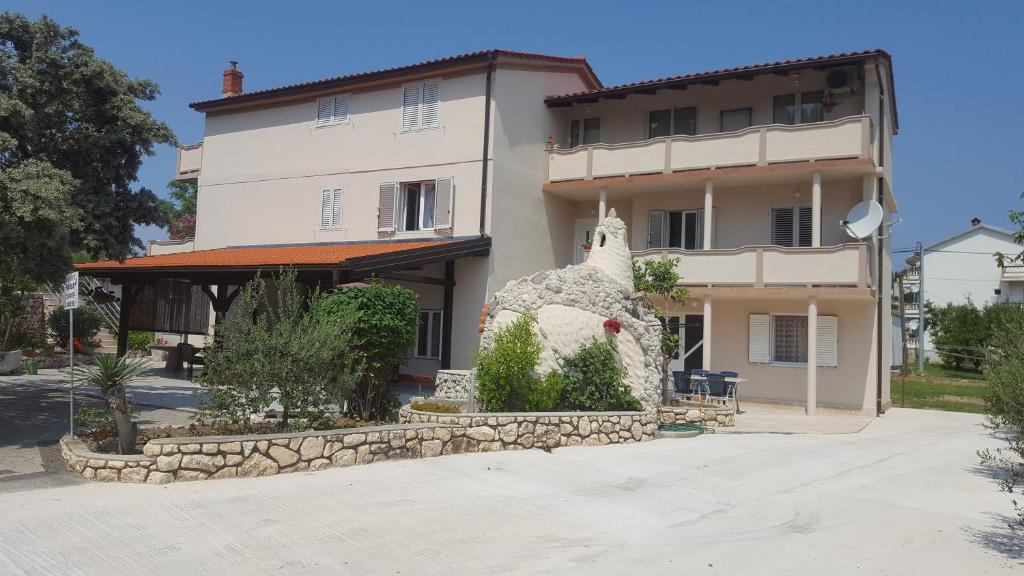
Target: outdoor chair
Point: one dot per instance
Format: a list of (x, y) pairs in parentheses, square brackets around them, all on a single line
[(696, 386), (190, 357), (681, 380), (717, 387), (730, 388)]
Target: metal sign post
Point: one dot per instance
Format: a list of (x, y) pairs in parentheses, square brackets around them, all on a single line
[(71, 302)]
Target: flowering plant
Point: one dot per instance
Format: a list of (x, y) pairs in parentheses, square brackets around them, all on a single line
[(78, 344), (612, 326)]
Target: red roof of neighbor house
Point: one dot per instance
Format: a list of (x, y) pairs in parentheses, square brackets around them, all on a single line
[(388, 73), (260, 256)]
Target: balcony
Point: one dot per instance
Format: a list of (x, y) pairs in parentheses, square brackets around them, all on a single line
[(190, 161), (844, 266), (1013, 273), (845, 138)]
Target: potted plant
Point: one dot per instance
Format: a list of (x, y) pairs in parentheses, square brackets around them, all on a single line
[(587, 246), (12, 306)]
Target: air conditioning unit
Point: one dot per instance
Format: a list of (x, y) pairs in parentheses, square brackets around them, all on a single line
[(842, 80)]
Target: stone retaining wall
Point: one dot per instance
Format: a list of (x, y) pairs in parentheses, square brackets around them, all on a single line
[(455, 385), (520, 430), (710, 415)]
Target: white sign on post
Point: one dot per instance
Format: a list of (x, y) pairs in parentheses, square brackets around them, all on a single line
[(71, 291), (70, 303)]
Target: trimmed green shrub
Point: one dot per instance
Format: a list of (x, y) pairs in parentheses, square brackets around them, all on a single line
[(88, 323), (545, 393), (385, 318), (506, 372), (594, 381), (140, 341)]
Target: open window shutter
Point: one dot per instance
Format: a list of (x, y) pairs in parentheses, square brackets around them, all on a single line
[(656, 229), (411, 107), (805, 225), (324, 109), (386, 207), (782, 226), (759, 349), (336, 207), (444, 194), (431, 107), (700, 229), (828, 341), (325, 209), (341, 109)]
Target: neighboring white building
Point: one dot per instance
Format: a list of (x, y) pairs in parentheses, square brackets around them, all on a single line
[(454, 176)]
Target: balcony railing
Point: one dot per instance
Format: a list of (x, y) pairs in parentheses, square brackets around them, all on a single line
[(190, 161), (1014, 273), (755, 146), (767, 266)]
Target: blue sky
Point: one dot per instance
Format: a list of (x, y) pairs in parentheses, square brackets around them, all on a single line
[(959, 153)]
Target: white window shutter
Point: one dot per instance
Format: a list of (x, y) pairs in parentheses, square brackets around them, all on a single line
[(444, 195), (430, 116), (700, 229), (324, 110), (656, 229), (325, 210), (782, 226), (341, 109), (804, 237), (411, 107), (828, 341), (759, 348), (388, 192), (337, 201)]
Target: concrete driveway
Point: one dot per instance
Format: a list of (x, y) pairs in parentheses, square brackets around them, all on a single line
[(904, 496)]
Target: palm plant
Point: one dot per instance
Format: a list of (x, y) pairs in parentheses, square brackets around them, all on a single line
[(112, 374)]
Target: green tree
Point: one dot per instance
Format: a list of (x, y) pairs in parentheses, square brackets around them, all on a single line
[(180, 210), (1017, 217), (112, 375), (960, 334), (657, 281), (385, 331), (73, 135)]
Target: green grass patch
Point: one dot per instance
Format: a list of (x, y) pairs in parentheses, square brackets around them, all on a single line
[(940, 371), (940, 394)]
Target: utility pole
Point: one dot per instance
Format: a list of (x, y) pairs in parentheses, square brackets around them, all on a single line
[(904, 356), (920, 308)]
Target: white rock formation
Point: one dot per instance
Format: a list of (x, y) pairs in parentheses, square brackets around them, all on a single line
[(571, 305)]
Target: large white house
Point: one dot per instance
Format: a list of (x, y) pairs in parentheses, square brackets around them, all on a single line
[(457, 175)]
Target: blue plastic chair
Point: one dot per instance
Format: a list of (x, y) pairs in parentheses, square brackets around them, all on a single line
[(730, 392), (681, 379), (697, 385), (717, 386)]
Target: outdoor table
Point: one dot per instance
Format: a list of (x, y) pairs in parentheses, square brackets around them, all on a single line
[(174, 361), (736, 389)]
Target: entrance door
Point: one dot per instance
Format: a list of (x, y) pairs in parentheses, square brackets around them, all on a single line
[(584, 233), (690, 329)]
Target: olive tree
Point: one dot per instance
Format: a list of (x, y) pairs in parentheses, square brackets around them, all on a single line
[(657, 281)]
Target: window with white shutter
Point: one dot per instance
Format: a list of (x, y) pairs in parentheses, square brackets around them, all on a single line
[(656, 229), (828, 341), (421, 105), (331, 208), (444, 196), (386, 197), (332, 110), (791, 226), (759, 347)]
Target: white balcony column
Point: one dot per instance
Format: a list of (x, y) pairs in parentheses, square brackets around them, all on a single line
[(812, 356), (602, 204), (816, 210), (709, 198), (706, 347)]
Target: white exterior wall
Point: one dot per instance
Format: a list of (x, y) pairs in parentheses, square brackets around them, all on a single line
[(953, 276)]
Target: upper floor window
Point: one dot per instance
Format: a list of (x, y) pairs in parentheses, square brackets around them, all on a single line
[(676, 229), (332, 110), (331, 209), (791, 225), (421, 103), (733, 120), (672, 122), (584, 131), (416, 206), (811, 108)]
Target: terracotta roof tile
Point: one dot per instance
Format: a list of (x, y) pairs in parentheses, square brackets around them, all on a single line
[(260, 256)]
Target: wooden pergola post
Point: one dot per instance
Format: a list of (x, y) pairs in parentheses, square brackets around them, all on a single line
[(446, 316)]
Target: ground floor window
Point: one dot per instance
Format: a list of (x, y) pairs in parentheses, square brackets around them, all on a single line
[(783, 338), (428, 336)]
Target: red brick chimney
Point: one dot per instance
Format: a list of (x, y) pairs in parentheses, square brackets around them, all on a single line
[(975, 221), (232, 81)]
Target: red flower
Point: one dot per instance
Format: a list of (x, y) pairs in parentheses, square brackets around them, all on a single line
[(612, 326), (78, 344)]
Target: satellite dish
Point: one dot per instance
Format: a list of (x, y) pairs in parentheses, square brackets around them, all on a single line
[(863, 219)]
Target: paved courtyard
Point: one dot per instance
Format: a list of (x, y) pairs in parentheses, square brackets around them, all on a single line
[(903, 496)]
